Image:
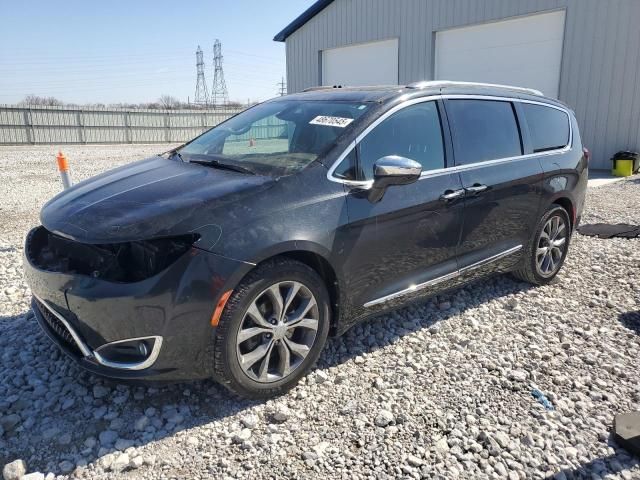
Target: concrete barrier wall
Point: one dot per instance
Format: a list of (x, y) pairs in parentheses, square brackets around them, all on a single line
[(47, 125)]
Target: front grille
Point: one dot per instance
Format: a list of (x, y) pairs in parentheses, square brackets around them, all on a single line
[(58, 328)]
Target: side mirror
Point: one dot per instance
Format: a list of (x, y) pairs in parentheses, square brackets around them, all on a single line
[(392, 170)]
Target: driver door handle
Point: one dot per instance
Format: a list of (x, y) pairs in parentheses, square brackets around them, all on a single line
[(477, 188), (450, 195)]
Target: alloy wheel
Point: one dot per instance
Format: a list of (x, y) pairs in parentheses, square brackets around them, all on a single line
[(551, 246), (277, 332)]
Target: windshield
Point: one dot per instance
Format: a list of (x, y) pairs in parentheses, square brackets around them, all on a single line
[(275, 138)]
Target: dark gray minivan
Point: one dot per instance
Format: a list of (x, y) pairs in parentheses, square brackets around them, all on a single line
[(235, 255)]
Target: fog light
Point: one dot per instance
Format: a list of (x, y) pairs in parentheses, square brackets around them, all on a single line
[(132, 353)]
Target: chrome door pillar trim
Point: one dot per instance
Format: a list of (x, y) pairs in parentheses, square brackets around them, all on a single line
[(443, 278)]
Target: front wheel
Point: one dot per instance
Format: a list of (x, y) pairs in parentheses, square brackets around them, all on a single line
[(548, 249), (272, 330)]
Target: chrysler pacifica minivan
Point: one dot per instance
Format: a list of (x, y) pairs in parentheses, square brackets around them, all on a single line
[(235, 255)]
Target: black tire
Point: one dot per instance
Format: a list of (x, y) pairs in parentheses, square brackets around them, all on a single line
[(530, 270), (226, 364)]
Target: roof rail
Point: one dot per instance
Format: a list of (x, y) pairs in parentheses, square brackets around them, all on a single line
[(448, 83), (321, 87)]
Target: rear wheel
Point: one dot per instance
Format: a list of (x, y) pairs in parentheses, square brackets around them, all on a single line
[(547, 251), (272, 330)]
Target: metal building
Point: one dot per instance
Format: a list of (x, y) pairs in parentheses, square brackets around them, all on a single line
[(584, 52)]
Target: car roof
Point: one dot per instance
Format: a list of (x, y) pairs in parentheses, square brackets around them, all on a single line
[(387, 93)]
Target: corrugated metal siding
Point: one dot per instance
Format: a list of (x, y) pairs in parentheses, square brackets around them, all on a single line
[(600, 76), (29, 125)]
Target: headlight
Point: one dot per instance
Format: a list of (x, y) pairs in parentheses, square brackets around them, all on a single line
[(118, 262)]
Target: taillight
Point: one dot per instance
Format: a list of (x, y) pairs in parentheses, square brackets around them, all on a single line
[(587, 154)]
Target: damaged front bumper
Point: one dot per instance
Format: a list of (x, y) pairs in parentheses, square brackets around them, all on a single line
[(158, 328)]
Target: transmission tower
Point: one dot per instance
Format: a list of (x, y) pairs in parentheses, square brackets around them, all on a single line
[(219, 94), (282, 91), (202, 95)]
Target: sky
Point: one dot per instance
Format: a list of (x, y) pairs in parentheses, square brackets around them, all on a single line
[(118, 51)]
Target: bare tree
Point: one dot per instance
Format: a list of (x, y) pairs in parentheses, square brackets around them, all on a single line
[(37, 100), (169, 102), (165, 102)]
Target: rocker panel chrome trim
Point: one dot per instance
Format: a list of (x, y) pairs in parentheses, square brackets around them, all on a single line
[(444, 278)]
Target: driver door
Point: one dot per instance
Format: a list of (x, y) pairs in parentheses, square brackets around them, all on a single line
[(404, 245)]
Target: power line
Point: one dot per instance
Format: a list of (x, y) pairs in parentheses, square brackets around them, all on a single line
[(202, 95), (37, 58), (219, 93), (282, 91)]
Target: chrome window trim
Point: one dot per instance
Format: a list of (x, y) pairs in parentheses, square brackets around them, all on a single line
[(443, 278), (88, 353), (365, 184)]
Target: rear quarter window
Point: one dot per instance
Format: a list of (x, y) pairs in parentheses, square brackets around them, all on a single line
[(549, 127)]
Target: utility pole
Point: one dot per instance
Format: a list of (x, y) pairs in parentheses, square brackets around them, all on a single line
[(282, 91), (202, 95), (219, 93)]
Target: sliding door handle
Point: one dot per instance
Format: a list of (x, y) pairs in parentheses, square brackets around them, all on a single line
[(475, 189), (450, 195)]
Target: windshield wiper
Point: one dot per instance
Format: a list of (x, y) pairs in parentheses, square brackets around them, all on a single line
[(175, 153), (226, 166)]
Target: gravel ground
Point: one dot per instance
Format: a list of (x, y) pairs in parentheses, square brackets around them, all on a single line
[(437, 390)]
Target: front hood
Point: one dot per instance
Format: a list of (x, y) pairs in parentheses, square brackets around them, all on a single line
[(151, 198)]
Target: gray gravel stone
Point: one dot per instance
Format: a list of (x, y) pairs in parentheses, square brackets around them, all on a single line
[(123, 443), (457, 380), (100, 392), (66, 466), (33, 476), (384, 418), (121, 462), (108, 437), (142, 423), (136, 462), (14, 470), (281, 415), (241, 436), (8, 422), (250, 421)]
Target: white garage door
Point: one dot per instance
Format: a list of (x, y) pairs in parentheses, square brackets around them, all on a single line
[(374, 63), (523, 51)]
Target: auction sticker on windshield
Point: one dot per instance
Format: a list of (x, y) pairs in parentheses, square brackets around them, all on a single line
[(329, 121)]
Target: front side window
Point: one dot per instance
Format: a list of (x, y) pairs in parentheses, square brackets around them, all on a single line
[(549, 127), (413, 132), (276, 138), (483, 130)]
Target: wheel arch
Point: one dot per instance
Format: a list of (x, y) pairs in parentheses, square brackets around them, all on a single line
[(316, 257), (566, 203)]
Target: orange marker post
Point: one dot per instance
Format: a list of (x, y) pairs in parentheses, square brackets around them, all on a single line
[(63, 168)]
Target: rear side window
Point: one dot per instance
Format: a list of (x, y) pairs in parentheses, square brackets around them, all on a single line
[(413, 132), (549, 127), (483, 130)]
